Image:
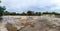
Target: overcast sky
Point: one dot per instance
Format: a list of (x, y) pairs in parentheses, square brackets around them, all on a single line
[(34, 5)]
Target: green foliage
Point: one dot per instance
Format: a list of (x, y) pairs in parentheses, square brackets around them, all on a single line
[(38, 13), (2, 10), (6, 13), (23, 13), (30, 12)]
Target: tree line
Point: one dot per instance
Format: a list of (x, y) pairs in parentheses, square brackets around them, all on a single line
[(30, 13)]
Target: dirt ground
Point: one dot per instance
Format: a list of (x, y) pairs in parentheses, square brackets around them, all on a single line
[(30, 23)]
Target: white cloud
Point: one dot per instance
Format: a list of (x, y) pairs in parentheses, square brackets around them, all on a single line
[(24, 4)]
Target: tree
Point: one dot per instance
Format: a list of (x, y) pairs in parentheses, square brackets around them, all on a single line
[(30, 12), (2, 8), (23, 13), (6, 13), (38, 13), (12, 13)]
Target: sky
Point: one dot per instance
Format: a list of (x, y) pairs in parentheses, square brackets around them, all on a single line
[(34, 5)]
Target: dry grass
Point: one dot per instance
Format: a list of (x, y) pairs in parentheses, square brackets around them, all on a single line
[(23, 23), (10, 27), (46, 30), (31, 24)]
